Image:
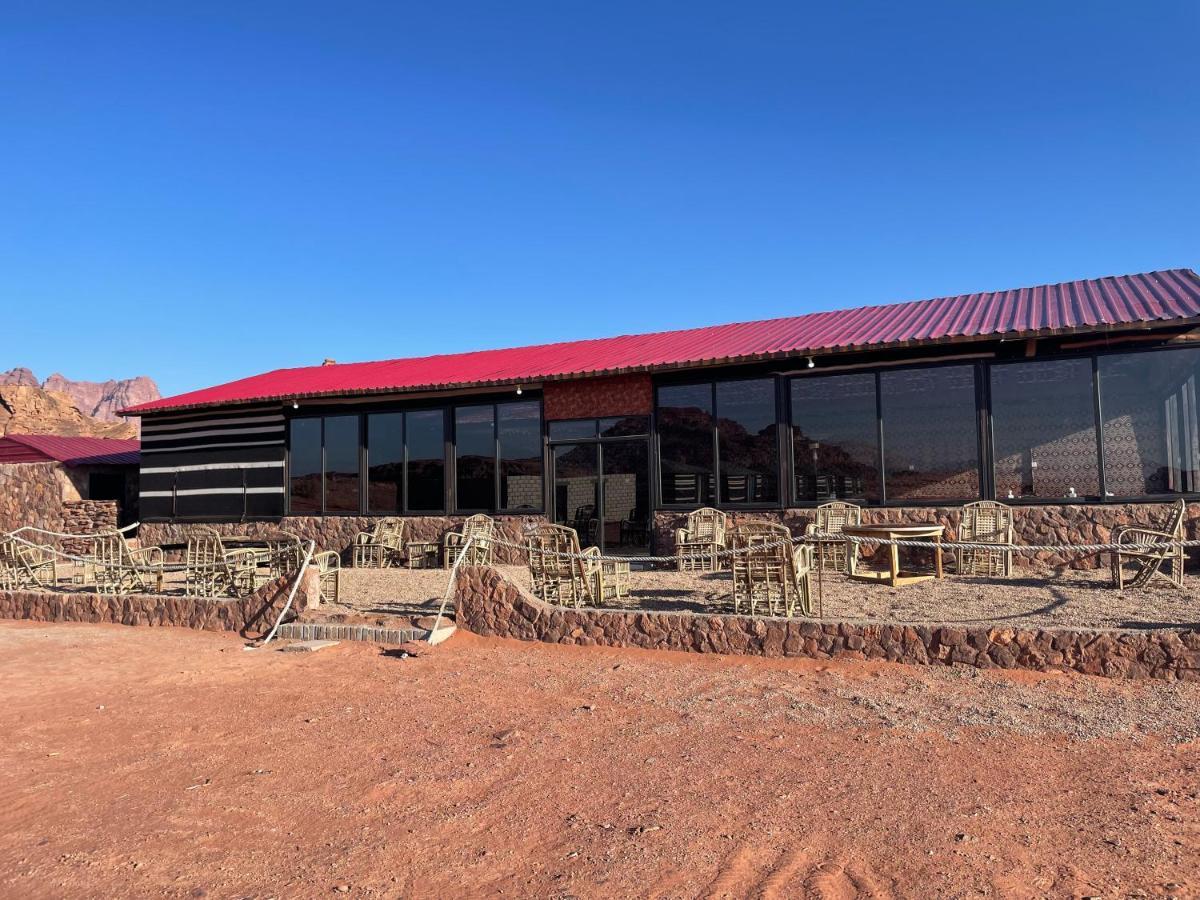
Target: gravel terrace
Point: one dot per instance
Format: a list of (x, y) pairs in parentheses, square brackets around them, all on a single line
[(1075, 598)]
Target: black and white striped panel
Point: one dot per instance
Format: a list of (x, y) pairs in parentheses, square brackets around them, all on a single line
[(222, 464)]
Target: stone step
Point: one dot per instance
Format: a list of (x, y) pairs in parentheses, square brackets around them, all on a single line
[(325, 631)]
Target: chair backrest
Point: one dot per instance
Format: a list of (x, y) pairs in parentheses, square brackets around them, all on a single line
[(1174, 522), (205, 550), (11, 560), (111, 551), (762, 558), (389, 533), (706, 524), (986, 522), (831, 518), (479, 527), (287, 552)]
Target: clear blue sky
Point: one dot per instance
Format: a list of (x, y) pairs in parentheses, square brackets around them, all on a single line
[(203, 193)]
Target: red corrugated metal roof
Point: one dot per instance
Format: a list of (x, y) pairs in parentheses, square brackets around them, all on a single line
[(1075, 305), (71, 451)]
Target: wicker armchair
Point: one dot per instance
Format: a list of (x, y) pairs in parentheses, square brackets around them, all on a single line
[(120, 568), (287, 552), (381, 547), (563, 574), (769, 569), (25, 565), (212, 571), (1149, 561), (830, 519), (479, 529), (985, 522), (698, 543)]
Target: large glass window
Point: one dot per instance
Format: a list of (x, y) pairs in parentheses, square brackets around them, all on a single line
[(425, 439), (747, 448), (475, 456), (304, 466), (685, 440), (385, 463), (835, 438), (341, 464), (1150, 429), (930, 433), (519, 433), (1044, 430)]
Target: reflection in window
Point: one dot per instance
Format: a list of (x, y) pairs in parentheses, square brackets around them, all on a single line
[(1151, 439), (304, 466), (341, 464), (576, 489), (746, 448), (519, 431), (425, 441), (475, 456), (1044, 429), (930, 433), (385, 463), (835, 438), (573, 429), (624, 426), (685, 433)]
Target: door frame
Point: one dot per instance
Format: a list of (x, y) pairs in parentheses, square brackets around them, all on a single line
[(598, 443)]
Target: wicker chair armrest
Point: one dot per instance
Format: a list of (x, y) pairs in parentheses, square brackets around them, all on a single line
[(452, 539), (1136, 532), (242, 556), (36, 554), (364, 537), (327, 560), (147, 556), (681, 536)]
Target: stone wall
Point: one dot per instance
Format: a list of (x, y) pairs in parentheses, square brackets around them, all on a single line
[(1075, 524), (87, 517), (491, 605), (250, 616), (337, 532), (31, 494)]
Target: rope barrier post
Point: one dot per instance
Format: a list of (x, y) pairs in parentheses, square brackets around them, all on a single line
[(462, 554)]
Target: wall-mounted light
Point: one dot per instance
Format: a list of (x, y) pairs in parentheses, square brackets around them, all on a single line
[(295, 404), (811, 364), (518, 390)]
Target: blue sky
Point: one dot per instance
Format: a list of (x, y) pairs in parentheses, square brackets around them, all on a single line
[(203, 193)]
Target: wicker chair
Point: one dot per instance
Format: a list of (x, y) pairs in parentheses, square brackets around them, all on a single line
[(381, 547), (985, 522), (563, 574), (1134, 540), (287, 552), (479, 529), (25, 565), (769, 569), (212, 571), (120, 568), (830, 519), (698, 543)]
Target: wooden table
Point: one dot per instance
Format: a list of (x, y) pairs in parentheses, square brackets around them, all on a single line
[(894, 576)]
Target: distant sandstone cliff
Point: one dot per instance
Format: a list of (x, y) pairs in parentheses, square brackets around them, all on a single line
[(61, 406)]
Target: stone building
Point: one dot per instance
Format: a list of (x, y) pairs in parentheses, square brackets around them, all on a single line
[(1074, 402), (72, 484)]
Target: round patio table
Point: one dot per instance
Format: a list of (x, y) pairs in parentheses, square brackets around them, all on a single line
[(897, 532)]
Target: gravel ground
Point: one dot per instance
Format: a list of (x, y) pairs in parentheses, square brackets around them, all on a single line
[(1071, 599)]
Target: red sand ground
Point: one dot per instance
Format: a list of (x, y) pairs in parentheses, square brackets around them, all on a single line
[(160, 762)]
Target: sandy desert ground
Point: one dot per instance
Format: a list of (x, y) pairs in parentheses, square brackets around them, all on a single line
[(163, 762)]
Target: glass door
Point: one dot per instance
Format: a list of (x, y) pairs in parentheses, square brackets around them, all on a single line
[(626, 496), (577, 489)]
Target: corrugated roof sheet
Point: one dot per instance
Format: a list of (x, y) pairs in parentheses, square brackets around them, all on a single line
[(71, 451), (1071, 306)]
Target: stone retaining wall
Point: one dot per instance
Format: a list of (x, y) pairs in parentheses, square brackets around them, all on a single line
[(1074, 524), (491, 605), (250, 616), (337, 532)]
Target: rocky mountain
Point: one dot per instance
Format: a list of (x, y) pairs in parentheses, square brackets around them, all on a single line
[(102, 399), (59, 405), (28, 409)]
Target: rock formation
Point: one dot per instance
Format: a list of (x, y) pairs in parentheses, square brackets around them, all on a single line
[(102, 399), (26, 409)]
